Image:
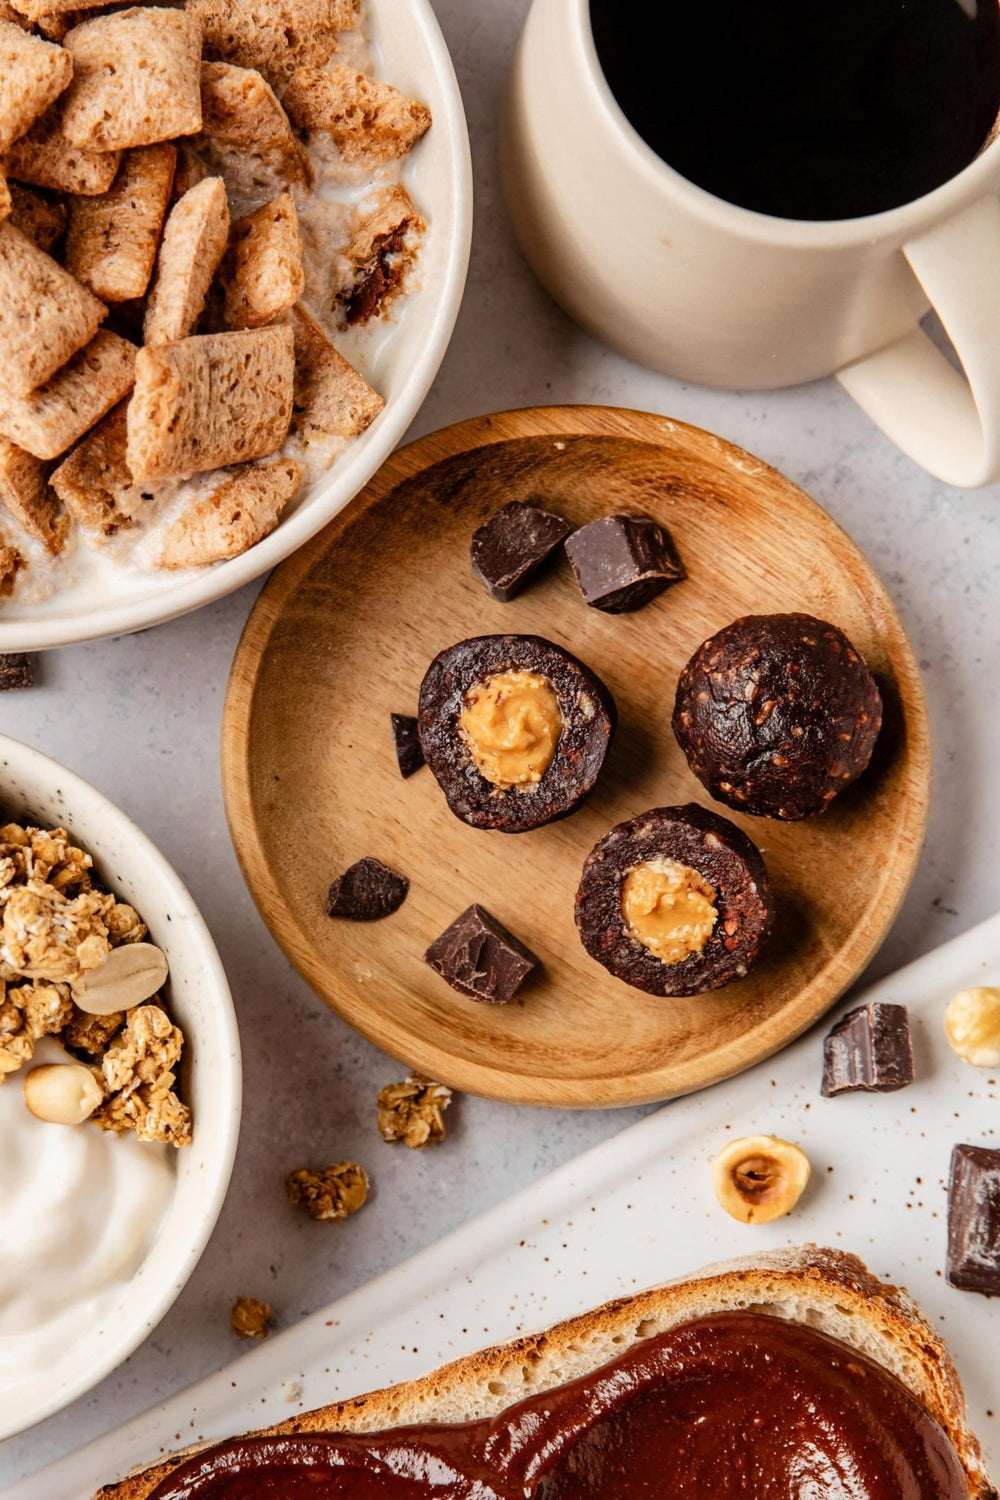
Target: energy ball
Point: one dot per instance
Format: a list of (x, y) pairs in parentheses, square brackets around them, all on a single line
[(515, 730), (675, 901), (777, 714)]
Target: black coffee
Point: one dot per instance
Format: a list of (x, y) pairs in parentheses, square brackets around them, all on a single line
[(807, 109)]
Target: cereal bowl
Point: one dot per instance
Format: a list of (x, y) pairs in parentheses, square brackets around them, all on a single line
[(400, 359), (38, 790)]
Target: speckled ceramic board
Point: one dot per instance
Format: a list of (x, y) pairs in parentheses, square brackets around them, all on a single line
[(634, 1211), (341, 637)]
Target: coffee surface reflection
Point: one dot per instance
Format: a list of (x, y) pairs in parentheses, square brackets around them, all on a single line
[(805, 110)]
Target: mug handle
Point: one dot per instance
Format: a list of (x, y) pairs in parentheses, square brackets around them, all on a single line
[(948, 423)]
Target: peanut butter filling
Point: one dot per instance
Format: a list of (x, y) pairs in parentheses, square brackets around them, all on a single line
[(511, 724), (669, 908)]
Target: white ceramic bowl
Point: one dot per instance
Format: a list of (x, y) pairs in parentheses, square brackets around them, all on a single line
[(34, 787), (411, 54)]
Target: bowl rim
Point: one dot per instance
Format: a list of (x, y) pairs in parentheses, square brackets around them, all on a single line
[(364, 456), (177, 1245)]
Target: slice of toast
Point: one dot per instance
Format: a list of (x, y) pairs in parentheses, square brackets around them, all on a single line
[(826, 1290)]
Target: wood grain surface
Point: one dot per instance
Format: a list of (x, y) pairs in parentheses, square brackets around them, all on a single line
[(341, 637)]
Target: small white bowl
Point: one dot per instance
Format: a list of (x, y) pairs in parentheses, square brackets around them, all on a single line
[(39, 790), (109, 600)]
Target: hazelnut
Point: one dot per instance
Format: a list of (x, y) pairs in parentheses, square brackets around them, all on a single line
[(759, 1178), (972, 1026), (62, 1093), (128, 976)]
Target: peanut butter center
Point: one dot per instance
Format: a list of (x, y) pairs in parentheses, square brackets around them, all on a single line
[(511, 724), (669, 908)]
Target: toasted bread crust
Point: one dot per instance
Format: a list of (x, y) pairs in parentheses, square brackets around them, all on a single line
[(831, 1291)]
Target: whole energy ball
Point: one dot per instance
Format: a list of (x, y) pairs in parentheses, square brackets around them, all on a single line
[(776, 714)]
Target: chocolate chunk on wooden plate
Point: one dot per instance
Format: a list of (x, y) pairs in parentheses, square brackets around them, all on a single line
[(623, 562), (406, 738), (367, 891), (869, 1048), (480, 958), (509, 548)]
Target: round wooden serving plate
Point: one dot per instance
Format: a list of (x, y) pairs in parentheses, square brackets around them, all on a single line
[(341, 637)]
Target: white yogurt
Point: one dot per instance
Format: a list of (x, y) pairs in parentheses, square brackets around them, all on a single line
[(79, 1208)]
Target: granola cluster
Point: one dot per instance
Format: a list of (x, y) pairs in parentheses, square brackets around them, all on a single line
[(413, 1111), (250, 1318), (333, 1192), (56, 926)]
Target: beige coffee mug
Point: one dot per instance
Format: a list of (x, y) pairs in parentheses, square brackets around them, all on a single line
[(719, 295)]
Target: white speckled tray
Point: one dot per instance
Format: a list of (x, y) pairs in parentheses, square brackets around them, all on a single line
[(636, 1210)]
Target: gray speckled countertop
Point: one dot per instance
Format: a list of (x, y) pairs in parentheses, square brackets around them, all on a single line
[(139, 717)]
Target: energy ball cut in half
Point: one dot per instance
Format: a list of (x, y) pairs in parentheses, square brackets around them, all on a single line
[(777, 714), (515, 730), (675, 901)]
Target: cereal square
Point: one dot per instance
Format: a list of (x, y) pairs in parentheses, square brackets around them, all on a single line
[(40, 219), (47, 14), (209, 401), (385, 237), (112, 239), (273, 36), (50, 420), (331, 398), (95, 483), (263, 273), (28, 499), (136, 79), (246, 132), (193, 244), (235, 515), (33, 73), (46, 159), (367, 121), (45, 315)]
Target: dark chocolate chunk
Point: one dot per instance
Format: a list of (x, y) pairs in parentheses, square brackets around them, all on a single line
[(622, 562), (367, 891), (17, 670), (480, 958), (974, 1220), (869, 1048), (407, 741), (511, 546), (701, 841), (588, 721), (777, 714)]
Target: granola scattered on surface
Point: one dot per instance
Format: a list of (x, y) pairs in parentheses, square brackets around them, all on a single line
[(333, 1192), (413, 1111), (251, 1318), (56, 926)]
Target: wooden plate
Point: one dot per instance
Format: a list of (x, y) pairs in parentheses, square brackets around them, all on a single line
[(341, 637)]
